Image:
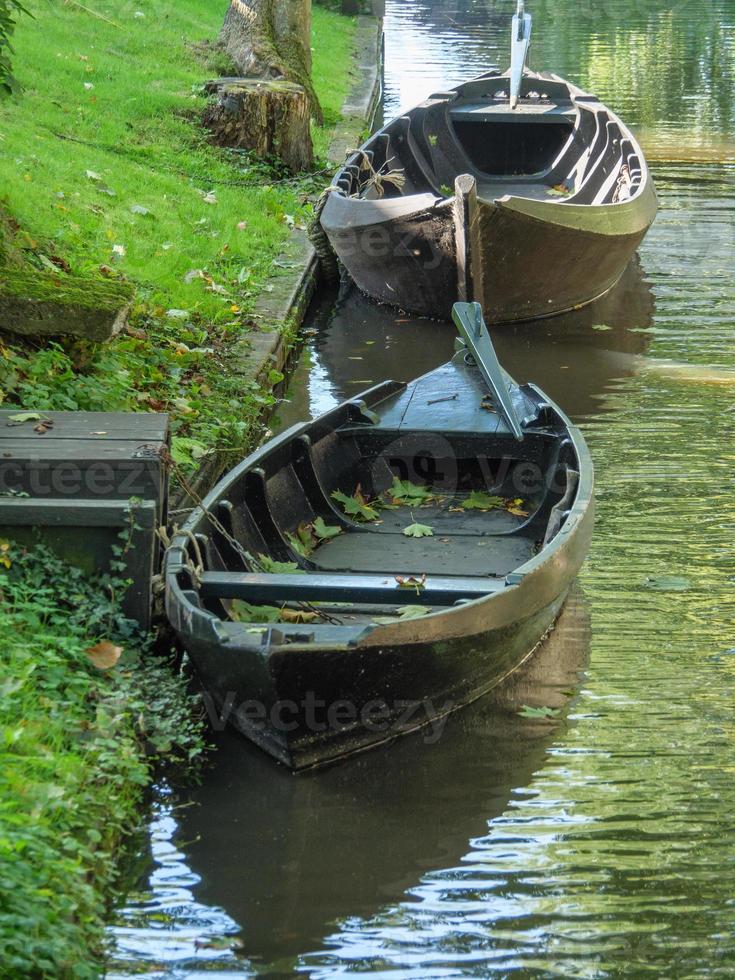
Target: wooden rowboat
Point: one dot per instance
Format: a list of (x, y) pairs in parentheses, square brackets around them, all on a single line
[(517, 190), (366, 573)]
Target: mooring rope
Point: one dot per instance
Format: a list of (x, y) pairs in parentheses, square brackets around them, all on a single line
[(317, 235), (377, 178), (318, 238)]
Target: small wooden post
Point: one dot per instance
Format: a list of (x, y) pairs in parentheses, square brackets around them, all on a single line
[(467, 240), (465, 204)]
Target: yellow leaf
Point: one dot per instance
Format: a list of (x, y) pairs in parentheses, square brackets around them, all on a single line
[(297, 616), (104, 655)]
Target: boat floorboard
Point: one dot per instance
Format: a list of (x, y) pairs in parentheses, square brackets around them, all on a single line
[(466, 543)]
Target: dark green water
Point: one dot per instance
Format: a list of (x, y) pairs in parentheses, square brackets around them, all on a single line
[(600, 844)]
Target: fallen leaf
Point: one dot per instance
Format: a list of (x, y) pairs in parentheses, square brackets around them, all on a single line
[(561, 190), (92, 175), (325, 531), (404, 612), (210, 198), (411, 582), (139, 209), (526, 711), (297, 616), (104, 655), (667, 583), (22, 417), (412, 612), (356, 506), (303, 541), (244, 612), (274, 567), (479, 500), (405, 492), (418, 531)]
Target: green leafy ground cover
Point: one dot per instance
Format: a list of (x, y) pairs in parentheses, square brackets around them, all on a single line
[(86, 709), (106, 172)]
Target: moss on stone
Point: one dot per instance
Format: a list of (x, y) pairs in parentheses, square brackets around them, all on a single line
[(34, 303)]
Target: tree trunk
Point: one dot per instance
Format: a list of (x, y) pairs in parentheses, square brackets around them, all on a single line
[(272, 39), (267, 116)]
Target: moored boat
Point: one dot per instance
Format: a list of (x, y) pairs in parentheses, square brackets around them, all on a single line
[(517, 190), (366, 573)]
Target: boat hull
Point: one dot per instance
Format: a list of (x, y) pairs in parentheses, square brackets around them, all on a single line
[(317, 706), (531, 213), (533, 264)]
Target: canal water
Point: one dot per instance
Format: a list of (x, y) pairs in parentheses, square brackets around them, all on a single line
[(596, 842)]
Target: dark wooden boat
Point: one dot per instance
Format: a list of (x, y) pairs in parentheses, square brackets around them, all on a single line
[(517, 190), (317, 634)]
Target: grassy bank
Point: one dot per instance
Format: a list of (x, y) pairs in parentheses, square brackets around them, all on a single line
[(85, 711), (106, 172)]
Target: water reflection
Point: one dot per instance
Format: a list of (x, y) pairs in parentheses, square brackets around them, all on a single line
[(286, 857), (353, 342)]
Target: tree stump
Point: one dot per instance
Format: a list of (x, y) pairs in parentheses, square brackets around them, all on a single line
[(270, 117)]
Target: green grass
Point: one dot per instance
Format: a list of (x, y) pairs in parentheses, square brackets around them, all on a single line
[(76, 748), (108, 126)]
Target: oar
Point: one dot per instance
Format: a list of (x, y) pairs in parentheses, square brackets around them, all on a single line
[(520, 38), (471, 325)]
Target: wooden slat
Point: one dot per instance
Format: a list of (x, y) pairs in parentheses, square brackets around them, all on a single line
[(436, 591), (35, 512), (134, 427)]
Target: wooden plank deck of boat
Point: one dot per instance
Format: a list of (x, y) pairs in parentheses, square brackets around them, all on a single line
[(466, 544)]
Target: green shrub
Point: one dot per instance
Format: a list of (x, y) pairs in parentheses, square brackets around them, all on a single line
[(77, 747)]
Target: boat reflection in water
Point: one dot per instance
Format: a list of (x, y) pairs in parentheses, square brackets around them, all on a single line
[(574, 357), (286, 857)]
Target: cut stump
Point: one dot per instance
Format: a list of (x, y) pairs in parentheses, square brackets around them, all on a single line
[(270, 117)]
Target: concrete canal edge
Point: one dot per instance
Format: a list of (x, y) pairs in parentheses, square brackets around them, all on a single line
[(280, 309)]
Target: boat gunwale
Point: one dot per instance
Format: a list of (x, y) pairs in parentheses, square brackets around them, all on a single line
[(543, 210)]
